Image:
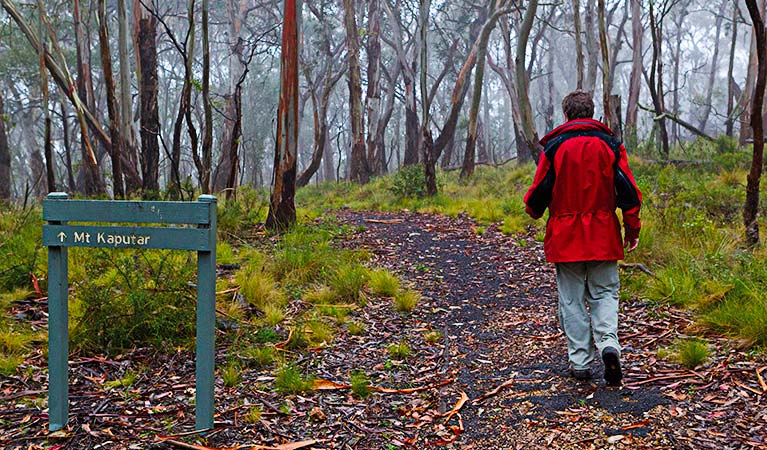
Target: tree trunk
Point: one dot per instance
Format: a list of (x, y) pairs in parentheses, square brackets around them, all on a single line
[(751, 208), (94, 184), (591, 48), (224, 169), (150, 118), (207, 136), (67, 147), (637, 32), (359, 170), (5, 157), (373, 97), (578, 43), (282, 208), (731, 111), (714, 66), (128, 147), (744, 105), (48, 143), (677, 55), (467, 168), (656, 80), (117, 146), (609, 119), (522, 81)]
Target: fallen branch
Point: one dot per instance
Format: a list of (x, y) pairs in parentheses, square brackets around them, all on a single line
[(459, 404), (668, 377), (495, 391), (639, 266), (385, 221)]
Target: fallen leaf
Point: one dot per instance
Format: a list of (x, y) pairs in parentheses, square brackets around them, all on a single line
[(327, 385)]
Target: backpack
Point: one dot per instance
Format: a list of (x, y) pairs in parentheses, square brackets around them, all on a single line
[(626, 196)]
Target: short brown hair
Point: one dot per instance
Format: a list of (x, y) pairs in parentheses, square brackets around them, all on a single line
[(578, 105)]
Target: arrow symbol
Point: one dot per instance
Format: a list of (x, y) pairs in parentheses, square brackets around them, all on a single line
[(62, 236)]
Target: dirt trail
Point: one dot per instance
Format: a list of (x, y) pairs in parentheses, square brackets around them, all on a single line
[(495, 298)]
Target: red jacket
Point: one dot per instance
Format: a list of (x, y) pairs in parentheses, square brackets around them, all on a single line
[(582, 177)]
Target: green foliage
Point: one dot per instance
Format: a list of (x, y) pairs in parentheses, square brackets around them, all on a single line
[(406, 301), (348, 280), (692, 352), (253, 415), (231, 374), (259, 357), (399, 351), (432, 337), (132, 298), (289, 380), (383, 283), (21, 252), (360, 384), (409, 182)]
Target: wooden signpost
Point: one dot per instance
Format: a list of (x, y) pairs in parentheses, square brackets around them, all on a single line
[(58, 235)]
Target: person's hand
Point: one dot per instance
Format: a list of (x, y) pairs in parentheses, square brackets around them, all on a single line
[(631, 244)]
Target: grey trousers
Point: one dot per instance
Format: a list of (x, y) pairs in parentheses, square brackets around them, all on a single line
[(595, 283)]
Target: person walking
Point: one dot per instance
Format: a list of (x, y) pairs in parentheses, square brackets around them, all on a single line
[(582, 177)]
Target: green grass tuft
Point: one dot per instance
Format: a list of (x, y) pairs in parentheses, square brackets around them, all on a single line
[(290, 381), (399, 351), (692, 352), (406, 301), (383, 283), (360, 384)]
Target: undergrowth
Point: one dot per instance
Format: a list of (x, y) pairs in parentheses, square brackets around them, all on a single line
[(692, 235)]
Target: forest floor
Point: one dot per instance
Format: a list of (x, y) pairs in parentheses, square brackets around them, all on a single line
[(487, 369)]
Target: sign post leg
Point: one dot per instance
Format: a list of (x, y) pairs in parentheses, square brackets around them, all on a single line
[(58, 336), (206, 326)]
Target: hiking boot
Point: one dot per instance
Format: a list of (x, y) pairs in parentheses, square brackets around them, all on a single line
[(613, 374), (581, 374)]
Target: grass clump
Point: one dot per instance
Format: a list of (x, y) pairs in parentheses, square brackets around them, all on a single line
[(399, 351), (383, 283), (406, 301), (360, 384), (692, 352), (259, 357), (231, 374), (348, 281), (432, 337), (253, 415), (355, 328), (289, 380)]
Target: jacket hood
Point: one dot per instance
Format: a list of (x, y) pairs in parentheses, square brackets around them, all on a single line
[(577, 125)]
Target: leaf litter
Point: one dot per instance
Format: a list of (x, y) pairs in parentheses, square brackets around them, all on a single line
[(502, 356)]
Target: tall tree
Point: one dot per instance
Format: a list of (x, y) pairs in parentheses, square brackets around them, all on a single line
[(635, 80), (359, 170), (655, 82), (751, 208), (529, 134), (5, 156), (592, 47), (282, 208), (128, 147), (375, 157), (731, 85), (115, 150), (207, 135), (467, 168), (714, 66), (150, 118), (578, 43), (94, 183), (48, 142)]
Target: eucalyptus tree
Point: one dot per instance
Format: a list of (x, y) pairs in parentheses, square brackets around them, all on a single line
[(751, 208)]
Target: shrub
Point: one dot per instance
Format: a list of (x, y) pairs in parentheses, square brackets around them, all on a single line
[(384, 283), (409, 182), (406, 301), (133, 298), (20, 251)]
